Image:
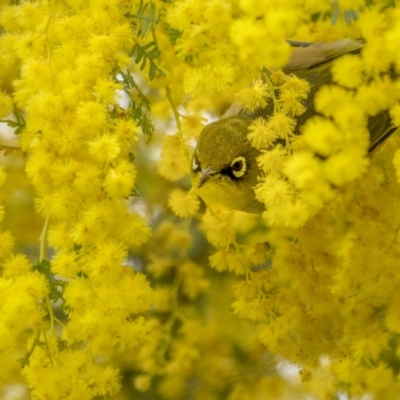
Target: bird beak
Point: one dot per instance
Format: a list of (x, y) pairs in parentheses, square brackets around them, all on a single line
[(206, 174)]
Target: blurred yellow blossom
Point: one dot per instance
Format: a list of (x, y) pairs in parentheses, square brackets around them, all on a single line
[(183, 204), (173, 163), (348, 71), (6, 105), (254, 97), (322, 136), (282, 124), (260, 134), (272, 160), (298, 301)]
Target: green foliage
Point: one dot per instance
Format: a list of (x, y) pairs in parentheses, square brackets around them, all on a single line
[(136, 110), (147, 53), (147, 19), (144, 22), (19, 124), (56, 285), (36, 342), (174, 35)]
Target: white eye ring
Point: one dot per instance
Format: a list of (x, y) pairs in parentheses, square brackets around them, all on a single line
[(238, 166), (195, 164)]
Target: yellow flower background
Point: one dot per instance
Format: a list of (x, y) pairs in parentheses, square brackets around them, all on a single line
[(117, 282)]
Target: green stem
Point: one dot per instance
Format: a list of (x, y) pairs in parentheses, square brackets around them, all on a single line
[(173, 316), (145, 18), (51, 313), (287, 143), (274, 99), (48, 348), (35, 342), (43, 256), (43, 240), (174, 109), (58, 321)]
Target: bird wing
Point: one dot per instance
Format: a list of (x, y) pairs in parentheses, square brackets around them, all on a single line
[(309, 55), (305, 56), (312, 61)]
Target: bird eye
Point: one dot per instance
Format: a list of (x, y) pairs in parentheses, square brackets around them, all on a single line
[(238, 166), (195, 164)]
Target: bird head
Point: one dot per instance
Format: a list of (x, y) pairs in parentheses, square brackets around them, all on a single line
[(224, 166)]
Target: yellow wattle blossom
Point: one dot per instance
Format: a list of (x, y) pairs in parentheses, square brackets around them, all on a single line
[(120, 180), (233, 261), (194, 82), (16, 265), (221, 76), (306, 173), (290, 103), (323, 136), (282, 124), (6, 244), (173, 163), (183, 204), (104, 149), (260, 134), (193, 281), (292, 94), (273, 189), (254, 97), (218, 229), (294, 84), (395, 114), (68, 57), (330, 99), (345, 167), (6, 105), (251, 35), (96, 381), (348, 71), (65, 264), (272, 160), (132, 301)]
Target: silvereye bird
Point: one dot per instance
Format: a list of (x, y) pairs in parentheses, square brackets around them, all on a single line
[(224, 167)]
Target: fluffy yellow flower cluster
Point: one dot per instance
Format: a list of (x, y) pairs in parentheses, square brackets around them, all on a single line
[(319, 288), (79, 145), (21, 293), (332, 275), (300, 172), (342, 263)]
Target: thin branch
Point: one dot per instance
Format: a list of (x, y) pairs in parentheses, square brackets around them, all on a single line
[(174, 109), (43, 240)]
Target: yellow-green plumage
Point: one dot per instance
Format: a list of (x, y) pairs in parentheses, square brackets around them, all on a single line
[(221, 142)]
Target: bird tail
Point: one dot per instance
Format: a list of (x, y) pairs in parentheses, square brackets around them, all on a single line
[(310, 55)]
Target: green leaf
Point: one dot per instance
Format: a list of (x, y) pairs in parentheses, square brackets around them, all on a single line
[(42, 266), (152, 71), (19, 124), (147, 18), (139, 56), (135, 192), (153, 53), (149, 44), (173, 35), (56, 286), (139, 10)]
